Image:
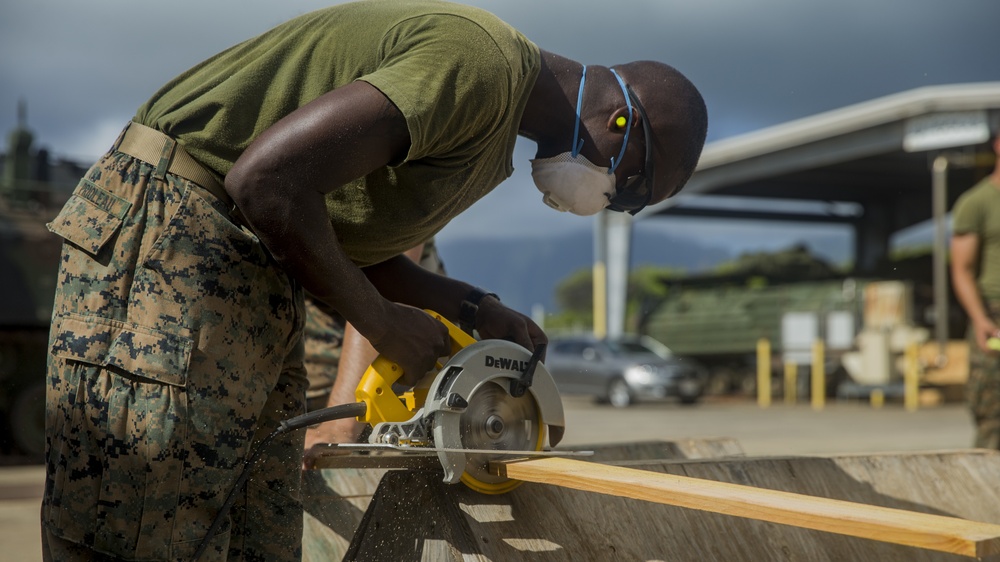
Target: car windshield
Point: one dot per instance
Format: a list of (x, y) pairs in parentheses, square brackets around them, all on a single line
[(630, 348)]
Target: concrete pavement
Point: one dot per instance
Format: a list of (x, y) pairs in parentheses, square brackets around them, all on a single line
[(841, 427), (20, 494)]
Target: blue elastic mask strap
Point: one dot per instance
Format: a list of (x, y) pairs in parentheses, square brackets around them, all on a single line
[(577, 141), (628, 125)]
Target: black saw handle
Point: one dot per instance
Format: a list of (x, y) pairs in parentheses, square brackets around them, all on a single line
[(519, 386)]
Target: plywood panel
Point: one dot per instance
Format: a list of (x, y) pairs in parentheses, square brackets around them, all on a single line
[(922, 530), (415, 517)]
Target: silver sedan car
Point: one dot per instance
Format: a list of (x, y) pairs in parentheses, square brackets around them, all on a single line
[(622, 371)]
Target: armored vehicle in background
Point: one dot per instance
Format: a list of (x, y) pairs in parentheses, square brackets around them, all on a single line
[(793, 300), (33, 188), (720, 324), (29, 256)]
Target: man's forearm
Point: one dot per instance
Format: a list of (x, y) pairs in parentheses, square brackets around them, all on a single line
[(967, 292), (400, 280)]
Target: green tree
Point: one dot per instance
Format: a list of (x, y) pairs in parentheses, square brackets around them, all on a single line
[(575, 297)]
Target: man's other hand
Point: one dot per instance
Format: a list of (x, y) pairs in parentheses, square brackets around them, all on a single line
[(496, 321)]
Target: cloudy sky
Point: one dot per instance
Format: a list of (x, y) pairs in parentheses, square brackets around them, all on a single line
[(85, 66)]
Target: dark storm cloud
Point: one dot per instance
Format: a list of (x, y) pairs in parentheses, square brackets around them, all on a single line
[(84, 67), (757, 62)]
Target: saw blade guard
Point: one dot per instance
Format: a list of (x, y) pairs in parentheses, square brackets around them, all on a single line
[(486, 369)]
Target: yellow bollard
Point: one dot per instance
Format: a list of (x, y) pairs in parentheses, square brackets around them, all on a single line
[(763, 373), (877, 398), (600, 300), (791, 382), (818, 376), (911, 378)]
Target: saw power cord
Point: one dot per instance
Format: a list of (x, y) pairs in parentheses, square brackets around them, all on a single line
[(298, 422)]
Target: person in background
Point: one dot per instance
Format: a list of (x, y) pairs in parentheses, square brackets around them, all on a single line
[(975, 274)]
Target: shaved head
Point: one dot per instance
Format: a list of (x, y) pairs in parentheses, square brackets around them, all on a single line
[(678, 118)]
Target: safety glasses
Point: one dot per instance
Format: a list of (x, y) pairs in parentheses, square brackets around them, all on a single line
[(638, 189)]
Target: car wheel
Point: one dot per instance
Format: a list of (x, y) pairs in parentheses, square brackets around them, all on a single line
[(688, 399), (689, 391), (619, 394)]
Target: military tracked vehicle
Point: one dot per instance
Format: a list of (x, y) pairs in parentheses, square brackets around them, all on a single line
[(792, 300), (29, 256), (33, 188)]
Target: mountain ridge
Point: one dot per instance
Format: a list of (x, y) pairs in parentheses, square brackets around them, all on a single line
[(525, 270)]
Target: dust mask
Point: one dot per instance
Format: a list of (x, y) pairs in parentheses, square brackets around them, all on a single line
[(573, 183), (570, 182)]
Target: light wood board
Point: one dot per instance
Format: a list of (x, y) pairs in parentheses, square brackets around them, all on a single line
[(922, 530)]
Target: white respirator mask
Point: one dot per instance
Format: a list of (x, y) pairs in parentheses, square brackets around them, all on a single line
[(570, 182), (573, 183)]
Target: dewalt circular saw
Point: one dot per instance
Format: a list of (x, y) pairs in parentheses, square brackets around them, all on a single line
[(491, 399)]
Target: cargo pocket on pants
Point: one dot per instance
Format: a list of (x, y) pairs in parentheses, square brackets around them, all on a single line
[(91, 217), (130, 406)]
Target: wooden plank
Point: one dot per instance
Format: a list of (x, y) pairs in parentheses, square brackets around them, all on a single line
[(922, 530)]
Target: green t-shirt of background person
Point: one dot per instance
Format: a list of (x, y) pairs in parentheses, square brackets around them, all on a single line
[(460, 77), (977, 212)]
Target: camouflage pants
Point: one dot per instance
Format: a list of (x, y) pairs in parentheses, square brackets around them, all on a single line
[(983, 388), (324, 339), (176, 347)]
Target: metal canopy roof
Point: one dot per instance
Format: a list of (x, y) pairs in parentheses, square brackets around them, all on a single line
[(854, 154)]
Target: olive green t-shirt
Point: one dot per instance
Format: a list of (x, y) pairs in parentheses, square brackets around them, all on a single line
[(977, 211), (460, 76)]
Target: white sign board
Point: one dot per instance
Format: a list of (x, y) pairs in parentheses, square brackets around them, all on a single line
[(839, 330), (799, 330), (946, 130)]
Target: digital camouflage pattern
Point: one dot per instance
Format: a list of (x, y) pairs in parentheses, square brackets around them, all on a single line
[(175, 347), (983, 388), (430, 259), (324, 339)]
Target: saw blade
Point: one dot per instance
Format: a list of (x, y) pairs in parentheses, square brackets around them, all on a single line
[(497, 421), (385, 455), (378, 448)]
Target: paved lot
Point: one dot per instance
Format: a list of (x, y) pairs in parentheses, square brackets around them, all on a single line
[(851, 427), (779, 430)]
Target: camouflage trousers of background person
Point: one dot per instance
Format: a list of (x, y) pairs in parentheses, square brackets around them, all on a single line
[(324, 340), (176, 347), (983, 388)]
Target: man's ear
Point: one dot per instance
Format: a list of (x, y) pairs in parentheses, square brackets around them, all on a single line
[(619, 119)]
